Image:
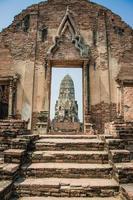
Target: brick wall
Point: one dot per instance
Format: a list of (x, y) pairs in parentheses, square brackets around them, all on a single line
[(22, 50)]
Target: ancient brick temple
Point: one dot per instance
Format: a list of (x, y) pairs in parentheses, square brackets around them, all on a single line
[(56, 34), (66, 108), (36, 162)]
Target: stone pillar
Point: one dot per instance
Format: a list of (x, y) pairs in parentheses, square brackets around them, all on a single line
[(10, 103), (86, 106), (87, 118), (49, 74), (122, 100), (118, 100)]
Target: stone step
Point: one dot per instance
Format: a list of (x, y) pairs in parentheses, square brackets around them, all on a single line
[(123, 172), (65, 133), (70, 156), (83, 136), (13, 124), (15, 156), (30, 137), (15, 143), (115, 144), (9, 171), (120, 155), (1, 160), (57, 187), (6, 189), (19, 143), (69, 144), (71, 198), (127, 136), (127, 191), (69, 170), (106, 136)]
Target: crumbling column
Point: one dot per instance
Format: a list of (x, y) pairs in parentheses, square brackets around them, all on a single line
[(10, 102), (118, 100), (86, 106)]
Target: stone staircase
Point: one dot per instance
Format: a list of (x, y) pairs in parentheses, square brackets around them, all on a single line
[(120, 151), (68, 167), (15, 142)]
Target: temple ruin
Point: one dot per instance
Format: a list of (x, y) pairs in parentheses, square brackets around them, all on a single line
[(37, 162), (66, 108)]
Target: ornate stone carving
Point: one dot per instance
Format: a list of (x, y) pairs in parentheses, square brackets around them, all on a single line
[(43, 116), (42, 124), (76, 38), (66, 108)]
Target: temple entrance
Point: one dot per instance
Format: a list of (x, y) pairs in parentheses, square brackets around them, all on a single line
[(8, 89), (66, 106), (4, 99)]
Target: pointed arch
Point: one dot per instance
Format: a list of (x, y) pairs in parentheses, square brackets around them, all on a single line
[(77, 40), (67, 22)]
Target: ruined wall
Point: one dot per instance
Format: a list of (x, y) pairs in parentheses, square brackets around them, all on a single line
[(28, 39), (128, 102)]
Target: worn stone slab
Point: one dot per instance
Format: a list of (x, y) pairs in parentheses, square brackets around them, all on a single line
[(5, 190), (124, 172), (1, 161), (69, 144), (67, 140), (127, 191), (30, 136), (83, 136), (69, 170), (9, 171), (70, 156), (57, 187), (72, 198), (15, 156), (65, 133), (119, 155), (17, 152), (115, 144)]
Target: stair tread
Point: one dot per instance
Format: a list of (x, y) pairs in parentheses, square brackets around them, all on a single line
[(119, 151), (9, 167), (124, 165), (4, 185), (62, 140), (128, 188), (114, 139), (70, 198), (70, 152), (69, 136), (69, 166), (92, 182), (16, 151)]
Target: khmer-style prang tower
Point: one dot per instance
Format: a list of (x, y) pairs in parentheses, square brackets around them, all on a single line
[(66, 108)]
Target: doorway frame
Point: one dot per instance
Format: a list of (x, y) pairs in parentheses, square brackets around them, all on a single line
[(70, 64)]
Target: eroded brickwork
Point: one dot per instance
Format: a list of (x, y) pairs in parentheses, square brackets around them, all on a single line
[(128, 103), (26, 43)]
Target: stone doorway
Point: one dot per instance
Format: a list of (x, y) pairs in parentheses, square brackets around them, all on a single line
[(8, 90), (66, 105), (4, 99), (72, 64)]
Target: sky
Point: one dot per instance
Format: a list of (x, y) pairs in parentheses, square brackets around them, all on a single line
[(10, 8)]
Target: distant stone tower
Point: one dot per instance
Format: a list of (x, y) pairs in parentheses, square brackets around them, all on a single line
[(66, 108)]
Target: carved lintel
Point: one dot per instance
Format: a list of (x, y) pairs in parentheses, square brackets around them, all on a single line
[(76, 38)]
